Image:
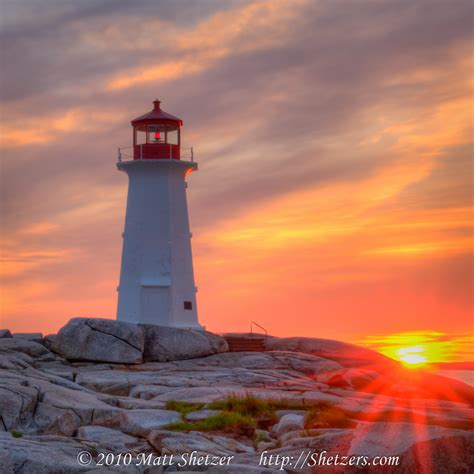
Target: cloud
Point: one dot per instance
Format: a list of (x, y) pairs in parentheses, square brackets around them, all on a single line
[(333, 140)]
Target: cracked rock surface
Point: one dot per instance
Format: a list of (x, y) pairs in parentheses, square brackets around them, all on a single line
[(100, 340), (106, 340), (52, 408)]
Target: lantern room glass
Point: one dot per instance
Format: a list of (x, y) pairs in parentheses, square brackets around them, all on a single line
[(139, 137), (157, 133)]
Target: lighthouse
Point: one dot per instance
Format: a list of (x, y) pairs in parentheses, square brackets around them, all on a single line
[(156, 276)]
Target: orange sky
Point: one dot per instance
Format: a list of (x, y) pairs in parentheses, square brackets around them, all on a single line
[(334, 140)]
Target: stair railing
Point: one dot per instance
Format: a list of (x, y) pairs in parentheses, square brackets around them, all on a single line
[(253, 323)]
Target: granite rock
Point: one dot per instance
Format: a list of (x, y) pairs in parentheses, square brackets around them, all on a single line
[(101, 340), (50, 454), (112, 439), (168, 344), (61, 407), (142, 422), (30, 336), (289, 422), (199, 415)]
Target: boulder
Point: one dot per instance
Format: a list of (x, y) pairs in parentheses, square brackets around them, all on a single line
[(101, 340), (281, 413), (5, 333), (166, 344), (290, 422), (218, 343)]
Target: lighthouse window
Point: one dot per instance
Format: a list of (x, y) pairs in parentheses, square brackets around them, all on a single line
[(140, 137), (156, 133), (172, 136), (188, 305)]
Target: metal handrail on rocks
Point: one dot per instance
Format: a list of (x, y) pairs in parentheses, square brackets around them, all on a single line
[(253, 323)]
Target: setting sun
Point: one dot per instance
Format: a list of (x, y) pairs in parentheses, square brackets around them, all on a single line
[(418, 348), (413, 356)]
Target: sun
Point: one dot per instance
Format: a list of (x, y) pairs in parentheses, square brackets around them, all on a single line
[(413, 356), (422, 348)]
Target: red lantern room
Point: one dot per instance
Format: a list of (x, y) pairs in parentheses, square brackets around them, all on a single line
[(156, 135)]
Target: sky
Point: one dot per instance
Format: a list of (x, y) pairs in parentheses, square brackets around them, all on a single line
[(334, 142)]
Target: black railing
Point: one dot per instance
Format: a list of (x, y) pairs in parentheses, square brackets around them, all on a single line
[(253, 323), (126, 153)]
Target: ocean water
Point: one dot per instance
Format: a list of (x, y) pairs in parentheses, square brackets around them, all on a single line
[(466, 376)]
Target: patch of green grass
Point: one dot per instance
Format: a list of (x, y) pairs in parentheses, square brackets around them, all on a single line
[(238, 414), (248, 406), (286, 405), (93, 450), (16, 434), (223, 421), (261, 437), (183, 407), (327, 416)]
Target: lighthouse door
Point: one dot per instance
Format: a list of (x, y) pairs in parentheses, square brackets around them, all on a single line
[(155, 305)]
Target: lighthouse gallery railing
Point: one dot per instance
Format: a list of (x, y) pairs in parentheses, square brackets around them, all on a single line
[(125, 153)]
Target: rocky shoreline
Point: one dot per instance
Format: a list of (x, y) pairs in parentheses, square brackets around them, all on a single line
[(104, 387)]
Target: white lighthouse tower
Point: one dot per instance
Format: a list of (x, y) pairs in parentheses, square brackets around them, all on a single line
[(156, 277)]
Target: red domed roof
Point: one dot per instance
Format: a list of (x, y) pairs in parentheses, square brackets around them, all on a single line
[(157, 116)]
